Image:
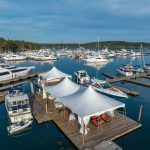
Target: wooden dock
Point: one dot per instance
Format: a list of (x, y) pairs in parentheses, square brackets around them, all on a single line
[(2, 96), (114, 79), (113, 130)]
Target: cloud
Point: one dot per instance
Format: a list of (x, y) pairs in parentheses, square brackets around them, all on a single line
[(81, 19)]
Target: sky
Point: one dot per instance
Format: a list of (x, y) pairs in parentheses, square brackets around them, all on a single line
[(75, 21)]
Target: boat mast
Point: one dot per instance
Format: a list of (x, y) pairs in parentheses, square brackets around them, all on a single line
[(98, 43), (142, 52)]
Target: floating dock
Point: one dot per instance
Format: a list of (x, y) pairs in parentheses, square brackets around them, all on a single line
[(2, 96), (130, 79), (120, 126), (114, 79)]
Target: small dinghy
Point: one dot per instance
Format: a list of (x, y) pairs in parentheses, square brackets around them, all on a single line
[(19, 126)]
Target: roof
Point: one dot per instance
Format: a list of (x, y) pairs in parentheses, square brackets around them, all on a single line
[(64, 88), (54, 73), (16, 97), (88, 102)]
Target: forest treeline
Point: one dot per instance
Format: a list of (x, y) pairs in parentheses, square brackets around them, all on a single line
[(17, 45), (20, 45)]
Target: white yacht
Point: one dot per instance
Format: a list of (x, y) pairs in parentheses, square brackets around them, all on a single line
[(95, 59), (105, 88), (17, 106), (98, 85), (125, 70), (45, 57), (14, 57), (8, 72), (134, 54), (81, 77)]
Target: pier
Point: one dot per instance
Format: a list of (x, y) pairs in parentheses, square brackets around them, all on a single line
[(43, 110), (130, 79)]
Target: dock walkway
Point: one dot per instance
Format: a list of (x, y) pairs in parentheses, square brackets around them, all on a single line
[(2, 96), (107, 131)]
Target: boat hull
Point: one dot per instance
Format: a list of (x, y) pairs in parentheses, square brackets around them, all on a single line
[(124, 73)]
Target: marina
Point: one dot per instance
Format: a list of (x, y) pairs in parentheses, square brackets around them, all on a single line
[(45, 112), (74, 75)]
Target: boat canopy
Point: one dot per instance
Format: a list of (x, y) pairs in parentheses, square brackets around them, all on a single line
[(64, 88), (53, 74)]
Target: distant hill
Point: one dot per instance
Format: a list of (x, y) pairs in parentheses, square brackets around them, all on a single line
[(20, 45), (103, 44), (16, 45)]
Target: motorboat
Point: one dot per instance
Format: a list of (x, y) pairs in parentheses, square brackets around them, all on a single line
[(104, 87), (147, 67), (81, 77), (19, 126), (17, 106), (8, 72), (126, 70), (95, 59), (14, 57), (134, 54), (45, 57)]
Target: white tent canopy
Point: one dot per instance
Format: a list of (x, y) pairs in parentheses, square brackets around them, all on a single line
[(88, 102), (64, 88), (53, 74)]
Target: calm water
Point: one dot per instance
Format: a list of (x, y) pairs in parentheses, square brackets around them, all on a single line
[(47, 136)]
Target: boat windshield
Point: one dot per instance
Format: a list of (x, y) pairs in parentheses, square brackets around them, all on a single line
[(106, 85), (83, 74)]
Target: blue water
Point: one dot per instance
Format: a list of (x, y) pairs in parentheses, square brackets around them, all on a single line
[(47, 136)]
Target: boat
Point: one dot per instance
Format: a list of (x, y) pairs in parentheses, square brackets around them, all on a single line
[(104, 87), (45, 57), (81, 77), (8, 72), (17, 106), (19, 126), (14, 57), (95, 59), (125, 70), (147, 67)]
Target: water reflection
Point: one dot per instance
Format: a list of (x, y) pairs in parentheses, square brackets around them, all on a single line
[(97, 66)]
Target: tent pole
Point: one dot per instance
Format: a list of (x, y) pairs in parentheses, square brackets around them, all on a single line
[(98, 121), (83, 142), (125, 112), (46, 105)]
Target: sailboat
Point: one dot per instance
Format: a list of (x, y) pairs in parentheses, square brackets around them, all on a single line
[(130, 69), (146, 66), (95, 58)]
